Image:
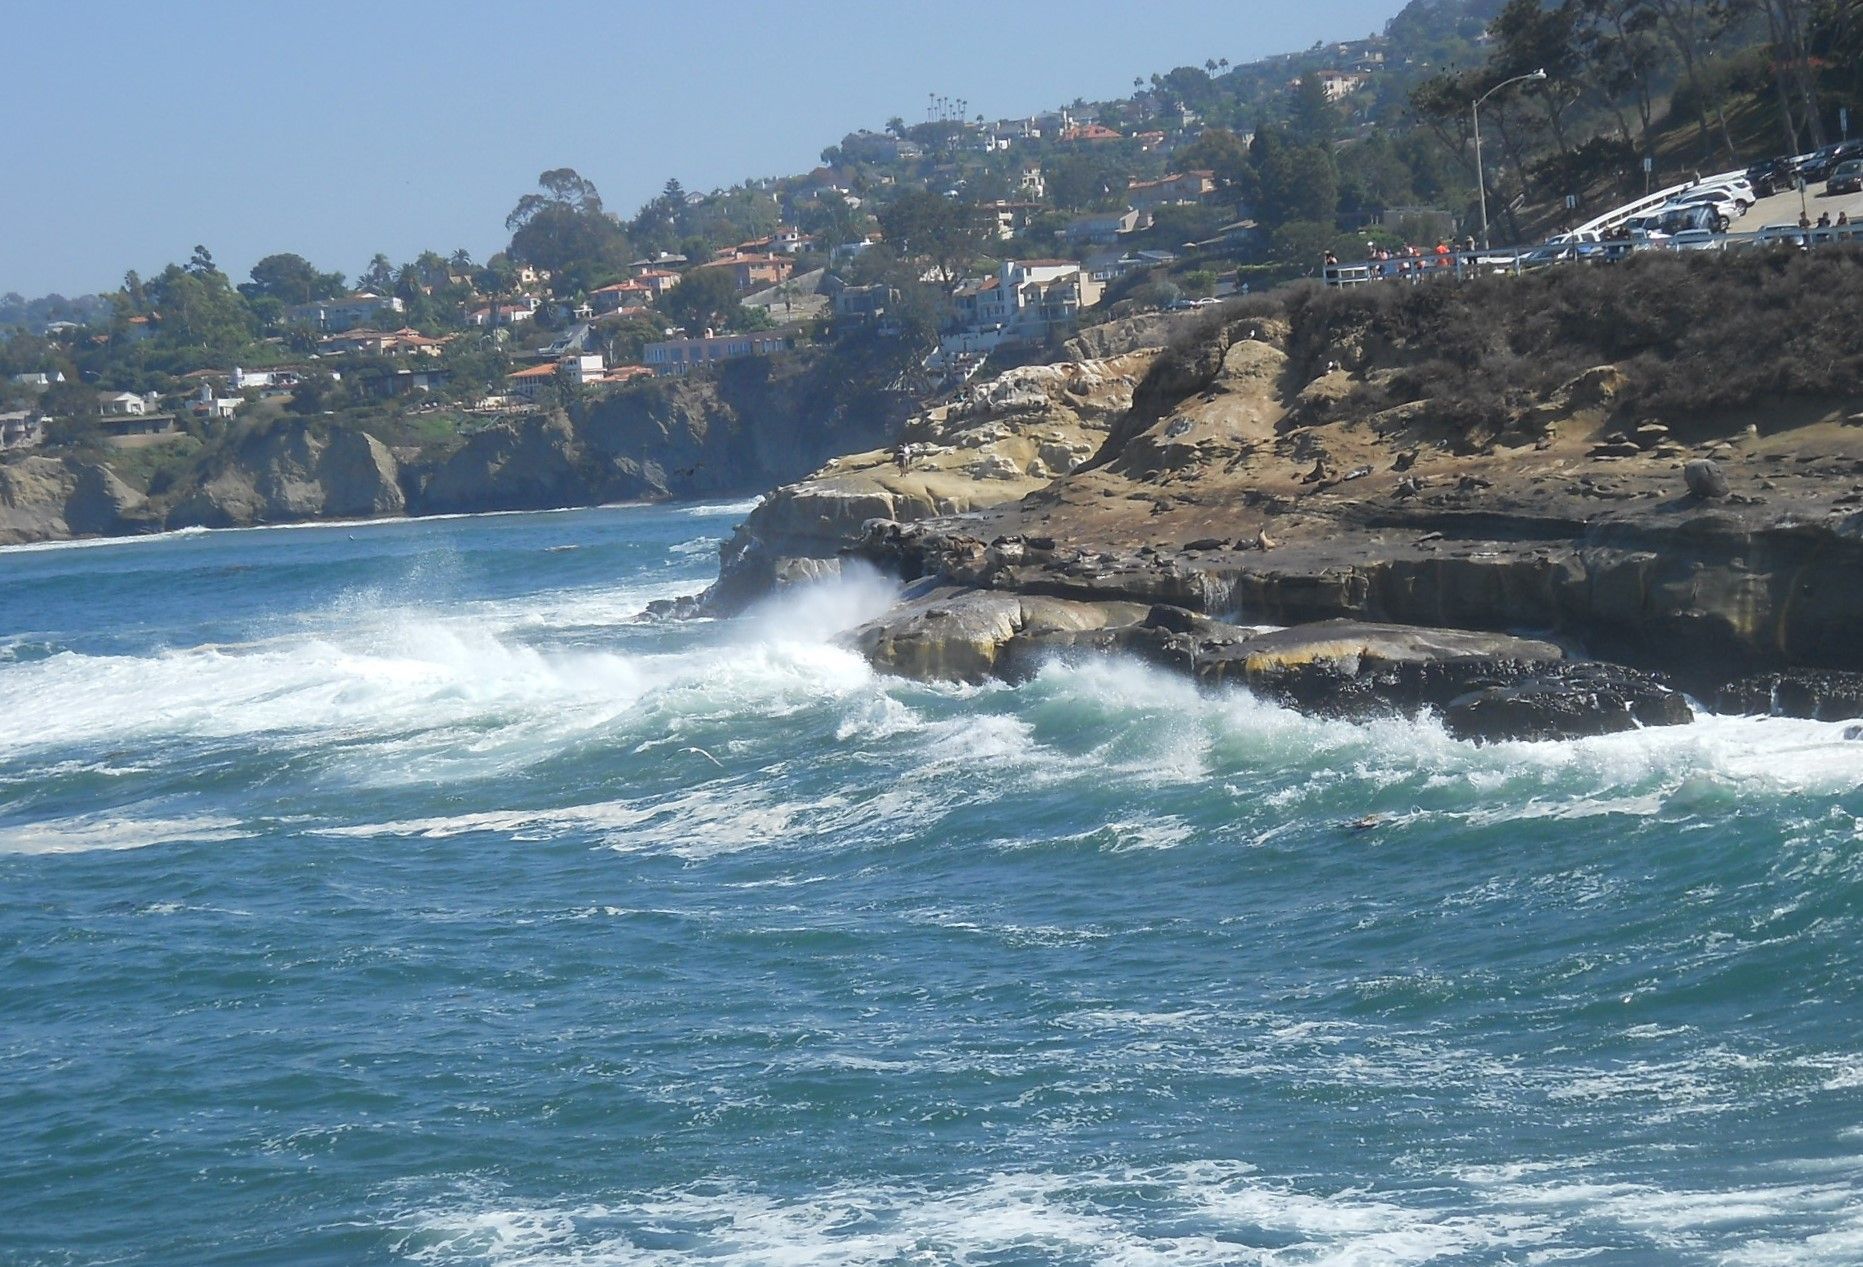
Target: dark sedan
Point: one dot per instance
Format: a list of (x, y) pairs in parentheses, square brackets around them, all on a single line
[(1773, 177), (1818, 166)]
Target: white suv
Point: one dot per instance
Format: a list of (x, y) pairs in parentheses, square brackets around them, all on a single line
[(1732, 188)]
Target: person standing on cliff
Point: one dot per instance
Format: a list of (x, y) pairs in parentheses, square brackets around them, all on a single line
[(902, 458)]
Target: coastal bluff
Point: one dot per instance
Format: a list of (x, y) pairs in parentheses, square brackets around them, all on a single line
[(1441, 459), (734, 432)]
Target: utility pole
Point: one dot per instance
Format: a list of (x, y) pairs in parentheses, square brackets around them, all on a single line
[(1481, 175)]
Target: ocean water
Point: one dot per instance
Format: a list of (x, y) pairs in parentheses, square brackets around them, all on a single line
[(385, 894)]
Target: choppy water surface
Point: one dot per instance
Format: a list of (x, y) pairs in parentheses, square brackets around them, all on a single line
[(383, 895)]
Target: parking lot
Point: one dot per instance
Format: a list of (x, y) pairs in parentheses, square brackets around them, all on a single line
[(1783, 208)]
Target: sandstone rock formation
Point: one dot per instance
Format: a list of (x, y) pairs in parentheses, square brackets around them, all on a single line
[(45, 498), (294, 471)]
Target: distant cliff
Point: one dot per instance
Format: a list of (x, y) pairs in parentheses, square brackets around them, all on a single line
[(738, 430)]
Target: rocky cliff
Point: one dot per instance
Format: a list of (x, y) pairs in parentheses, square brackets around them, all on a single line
[(997, 441), (735, 431), (1444, 457), (44, 498), (290, 472)]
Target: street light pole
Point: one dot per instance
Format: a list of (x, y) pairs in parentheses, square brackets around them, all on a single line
[(1481, 175)]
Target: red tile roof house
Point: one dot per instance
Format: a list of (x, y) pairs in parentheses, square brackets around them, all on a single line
[(658, 280), (634, 293), (754, 272), (1181, 187)]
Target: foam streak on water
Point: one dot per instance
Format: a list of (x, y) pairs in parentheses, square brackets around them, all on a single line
[(385, 894)]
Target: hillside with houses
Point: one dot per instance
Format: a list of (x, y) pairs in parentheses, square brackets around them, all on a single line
[(923, 252)]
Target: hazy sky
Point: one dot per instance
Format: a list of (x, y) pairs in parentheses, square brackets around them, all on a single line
[(133, 130)]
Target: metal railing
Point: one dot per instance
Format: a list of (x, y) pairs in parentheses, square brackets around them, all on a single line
[(1462, 265)]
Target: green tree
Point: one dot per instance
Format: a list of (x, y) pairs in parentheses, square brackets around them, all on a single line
[(1312, 117), (290, 279), (1225, 156), (1298, 182), (660, 223), (565, 229), (69, 399), (947, 234), (705, 298), (833, 221), (1302, 243), (199, 309), (379, 276)]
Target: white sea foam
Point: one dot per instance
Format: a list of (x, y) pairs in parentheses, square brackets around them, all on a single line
[(708, 509), (394, 695), (390, 673), (1195, 1215), (112, 830)]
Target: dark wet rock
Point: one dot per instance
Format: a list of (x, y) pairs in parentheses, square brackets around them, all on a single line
[(1817, 694), (685, 607), (1705, 479), (1567, 702), (1348, 668), (1488, 686)]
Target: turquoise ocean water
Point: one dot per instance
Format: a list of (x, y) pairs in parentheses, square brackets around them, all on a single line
[(385, 894)]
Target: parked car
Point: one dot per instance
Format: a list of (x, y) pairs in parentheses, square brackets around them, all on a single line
[(1774, 176), (1784, 235), (1732, 188), (1729, 207), (1697, 240), (1846, 177), (1818, 164), (1699, 215)]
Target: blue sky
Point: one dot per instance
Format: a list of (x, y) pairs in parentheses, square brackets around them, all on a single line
[(341, 128)]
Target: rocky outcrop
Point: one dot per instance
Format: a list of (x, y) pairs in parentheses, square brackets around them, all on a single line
[(530, 464), (48, 499), (1810, 693), (1139, 333), (1243, 484), (965, 635), (294, 471), (994, 442), (1485, 686)]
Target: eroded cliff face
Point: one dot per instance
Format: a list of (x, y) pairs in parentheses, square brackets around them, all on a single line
[(44, 498), (1242, 484), (737, 431), (996, 442), (294, 471)]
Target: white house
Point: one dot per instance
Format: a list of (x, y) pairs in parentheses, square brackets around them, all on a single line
[(360, 309), (210, 404), (123, 405), (262, 379), (1106, 227), (1026, 301)]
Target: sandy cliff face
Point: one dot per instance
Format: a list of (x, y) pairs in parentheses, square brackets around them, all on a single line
[(1241, 483), (43, 498), (996, 442), (740, 430), (294, 471)]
